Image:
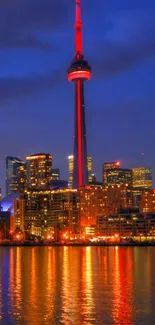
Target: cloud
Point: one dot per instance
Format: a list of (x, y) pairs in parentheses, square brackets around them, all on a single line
[(19, 88), (19, 20), (129, 40), (29, 41)]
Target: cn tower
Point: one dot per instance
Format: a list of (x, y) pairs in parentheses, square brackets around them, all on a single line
[(79, 72)]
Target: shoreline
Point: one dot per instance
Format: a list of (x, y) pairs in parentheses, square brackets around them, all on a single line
[(138, 244)]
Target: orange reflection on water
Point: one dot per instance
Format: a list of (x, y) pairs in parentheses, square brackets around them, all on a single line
[(66, 289), (50, 285), (87, 300), (15, 283), (33, 289), (122, 299)]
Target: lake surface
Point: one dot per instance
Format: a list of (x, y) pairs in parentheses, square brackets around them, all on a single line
[(77, 285)]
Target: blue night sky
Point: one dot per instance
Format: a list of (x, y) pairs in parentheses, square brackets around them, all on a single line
[(37, 101)]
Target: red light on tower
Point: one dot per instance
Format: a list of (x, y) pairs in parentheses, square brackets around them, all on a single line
[(118, 163)]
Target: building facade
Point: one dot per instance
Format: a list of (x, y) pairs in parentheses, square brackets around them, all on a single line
[(108, 166), (55, 174), (15, 175), (70, 170), (45, 211), (118, 177), (92, 203), (126, 224), (39, 171), (147, 202), (142, 178), (90, 167), (117, 197), (19, 213)]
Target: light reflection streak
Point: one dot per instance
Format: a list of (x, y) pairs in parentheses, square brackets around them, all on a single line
[(51, 285), (33, 284), (17, 285), (76, 285), (87, 288), (66, 289), (122, 298)]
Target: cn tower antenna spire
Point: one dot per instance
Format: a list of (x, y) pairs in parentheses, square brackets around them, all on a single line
[(78, 31)]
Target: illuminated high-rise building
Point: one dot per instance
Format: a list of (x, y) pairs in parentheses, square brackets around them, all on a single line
[(71, 169), (55, 174), (119, 176), (142, 178), (89, 166), (79, 72), (108, 166), (42, 211), (39, 171), (15, 175)]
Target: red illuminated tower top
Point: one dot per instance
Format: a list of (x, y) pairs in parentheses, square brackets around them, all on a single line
[(78, 31), (79, 68)]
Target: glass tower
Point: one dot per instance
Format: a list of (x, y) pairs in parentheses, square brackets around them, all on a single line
[(39, 171), (15, 175)]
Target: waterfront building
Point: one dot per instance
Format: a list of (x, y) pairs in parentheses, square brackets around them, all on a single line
[(39, 171), (91, 203), (5, 224), (126, 223), (117, 197), (45, 211), (15, 175), (19, 213), (79, 72), (142, 178), (108, 166), (7, 205), (147, 202)]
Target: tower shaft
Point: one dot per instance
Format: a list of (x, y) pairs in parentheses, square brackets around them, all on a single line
[(80, 171)]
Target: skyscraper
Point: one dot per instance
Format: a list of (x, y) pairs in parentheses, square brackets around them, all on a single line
[(119, 176), (39, 171), (15, 175), (89, 166), (79, 72), (107, 166), (55, 174), (71, 170), (142, 178)]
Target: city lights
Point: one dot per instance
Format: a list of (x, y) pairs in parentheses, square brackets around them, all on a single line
[(79, 210)]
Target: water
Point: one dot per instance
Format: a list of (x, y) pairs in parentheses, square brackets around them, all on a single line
[(77, 285)]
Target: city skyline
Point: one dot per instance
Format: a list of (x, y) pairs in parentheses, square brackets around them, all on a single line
[(118, 98)]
